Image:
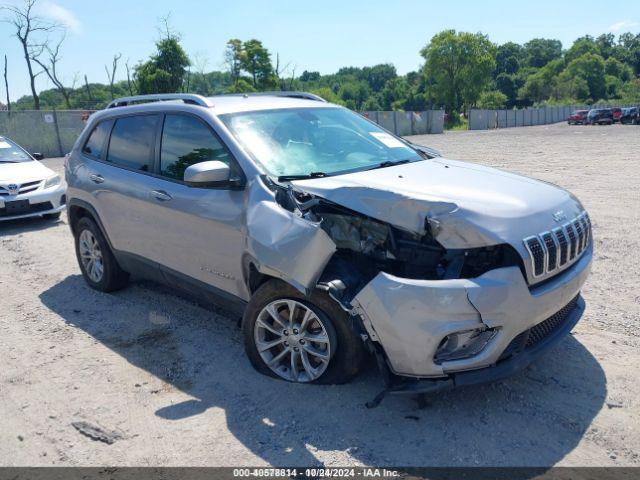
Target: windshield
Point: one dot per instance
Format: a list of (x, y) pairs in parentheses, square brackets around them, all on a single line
[(315, 141), (11, 153)]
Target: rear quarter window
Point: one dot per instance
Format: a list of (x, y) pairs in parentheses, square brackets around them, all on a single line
[(132, 141), (97, 139)]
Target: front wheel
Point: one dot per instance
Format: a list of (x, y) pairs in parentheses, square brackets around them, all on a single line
[(300, 339)]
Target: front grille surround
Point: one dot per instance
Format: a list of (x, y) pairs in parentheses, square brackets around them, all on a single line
[(22, 188), (555, 250)]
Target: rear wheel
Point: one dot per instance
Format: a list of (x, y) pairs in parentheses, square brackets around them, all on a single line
[(97, 263), (300, 340)]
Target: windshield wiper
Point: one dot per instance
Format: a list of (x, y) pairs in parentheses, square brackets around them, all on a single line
[(389, 163), (286, 178)]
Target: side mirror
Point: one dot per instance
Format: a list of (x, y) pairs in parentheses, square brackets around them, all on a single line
[(208, 174), (37, 156)]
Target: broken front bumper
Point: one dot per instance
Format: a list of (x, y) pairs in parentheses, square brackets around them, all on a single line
[(410, 318)]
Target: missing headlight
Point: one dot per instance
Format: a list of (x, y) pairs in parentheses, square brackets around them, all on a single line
[(459, 345)]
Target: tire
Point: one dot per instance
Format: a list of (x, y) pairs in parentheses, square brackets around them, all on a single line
[(112, 276), (346, 349), (52, 216)]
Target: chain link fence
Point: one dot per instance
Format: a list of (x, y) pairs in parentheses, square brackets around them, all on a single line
[(51, 133)]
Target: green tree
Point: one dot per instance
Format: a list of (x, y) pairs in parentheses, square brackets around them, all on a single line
[(616, 68), (233, 57), (354, 94), (590, 67), (459, 65), (492, 100), (607, 45), (256, 60), (508, 58), (165, 71), (581, 46), (540, 51), (378, 75), (630, 52), (540, 85)]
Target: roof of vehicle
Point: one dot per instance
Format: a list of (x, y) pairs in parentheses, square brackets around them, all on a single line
[(221, 104), (243, 103)]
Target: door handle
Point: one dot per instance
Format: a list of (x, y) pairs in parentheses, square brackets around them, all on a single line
[(161, 195), (95, 178)]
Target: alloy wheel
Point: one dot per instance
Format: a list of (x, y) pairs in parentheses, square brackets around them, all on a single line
[(292, 340), (91, 255)]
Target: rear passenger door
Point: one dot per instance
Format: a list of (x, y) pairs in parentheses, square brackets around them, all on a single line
[(196, 231), (119, 173)]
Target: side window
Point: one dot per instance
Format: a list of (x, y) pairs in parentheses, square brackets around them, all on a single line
[(132, 140), (96, 140), (187, 141)]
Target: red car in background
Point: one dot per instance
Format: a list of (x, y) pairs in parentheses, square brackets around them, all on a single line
[(617, 113), (579, 117)]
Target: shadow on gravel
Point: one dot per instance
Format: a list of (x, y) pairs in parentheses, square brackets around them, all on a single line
[(533, 419), (24, 225)]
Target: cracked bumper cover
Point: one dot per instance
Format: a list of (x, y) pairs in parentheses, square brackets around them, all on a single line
[(409, 318)]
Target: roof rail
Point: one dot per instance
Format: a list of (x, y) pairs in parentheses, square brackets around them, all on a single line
[(302, 95), (185, 97)]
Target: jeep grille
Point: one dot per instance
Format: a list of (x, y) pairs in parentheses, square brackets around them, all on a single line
[(557, 249)]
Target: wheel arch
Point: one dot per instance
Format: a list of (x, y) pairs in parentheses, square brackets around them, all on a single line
[(78, 209)]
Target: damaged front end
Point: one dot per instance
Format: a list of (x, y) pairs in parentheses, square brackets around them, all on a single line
[(373, 266)]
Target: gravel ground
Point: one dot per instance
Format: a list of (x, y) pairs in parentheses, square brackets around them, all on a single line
[(143, 377)]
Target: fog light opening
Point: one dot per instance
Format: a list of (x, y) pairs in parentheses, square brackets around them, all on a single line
[(459, 345)]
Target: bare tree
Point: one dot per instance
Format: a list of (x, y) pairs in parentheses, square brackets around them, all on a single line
[(51, 68), (111, 74), (26, 26), (86, 86), (281, 71), (131, 84), (6, 84)]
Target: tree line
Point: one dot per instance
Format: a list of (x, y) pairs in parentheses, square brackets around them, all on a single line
[(461, 70)]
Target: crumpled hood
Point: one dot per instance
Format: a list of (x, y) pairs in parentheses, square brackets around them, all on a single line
[(23, 172), (468, 205)]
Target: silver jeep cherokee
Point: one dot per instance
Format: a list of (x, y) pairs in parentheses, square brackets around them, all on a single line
[(335, 238)]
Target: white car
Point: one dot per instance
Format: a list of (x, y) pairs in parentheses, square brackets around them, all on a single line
[(27, 187)]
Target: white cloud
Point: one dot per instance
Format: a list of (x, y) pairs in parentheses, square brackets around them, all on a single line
[(623, 25), (61, 15)]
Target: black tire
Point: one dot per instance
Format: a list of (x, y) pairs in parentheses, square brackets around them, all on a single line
[(113, 277), (348, 349), (52, 216)]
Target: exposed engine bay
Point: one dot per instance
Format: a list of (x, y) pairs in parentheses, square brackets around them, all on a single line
[(366, 246)]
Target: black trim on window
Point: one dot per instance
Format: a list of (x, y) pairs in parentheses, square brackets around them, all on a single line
[(155, 161), (231, 186), (105, 140)]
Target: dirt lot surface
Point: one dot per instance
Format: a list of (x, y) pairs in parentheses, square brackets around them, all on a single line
[(142, 377)]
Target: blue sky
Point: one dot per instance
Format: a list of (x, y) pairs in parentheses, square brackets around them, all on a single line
[(312, 35)]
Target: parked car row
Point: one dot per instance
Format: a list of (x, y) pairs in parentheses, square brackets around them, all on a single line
[(605, 116)]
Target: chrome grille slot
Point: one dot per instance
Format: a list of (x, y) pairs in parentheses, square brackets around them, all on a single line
[(563, 244), (573, 240), (578, 226), (557, 249), (552, 251), (537, 253)]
